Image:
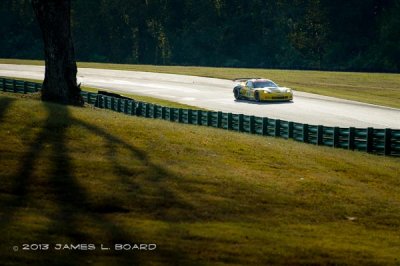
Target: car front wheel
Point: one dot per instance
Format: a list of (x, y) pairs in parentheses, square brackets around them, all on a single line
[(236, 93)]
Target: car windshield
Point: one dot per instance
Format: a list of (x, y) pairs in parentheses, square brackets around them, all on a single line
[(264, 84)]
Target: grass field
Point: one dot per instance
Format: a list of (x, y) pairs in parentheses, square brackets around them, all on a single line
[(375, 88), (205, 196)]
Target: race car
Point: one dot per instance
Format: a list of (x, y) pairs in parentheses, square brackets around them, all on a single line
[(260, 89)]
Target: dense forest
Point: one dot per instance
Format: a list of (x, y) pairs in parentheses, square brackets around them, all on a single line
[(361, 35)]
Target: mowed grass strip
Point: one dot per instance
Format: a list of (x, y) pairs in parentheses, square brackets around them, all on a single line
[(375, 88), (205, 196)]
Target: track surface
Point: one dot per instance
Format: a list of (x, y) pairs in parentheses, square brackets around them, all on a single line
[(216, 94)]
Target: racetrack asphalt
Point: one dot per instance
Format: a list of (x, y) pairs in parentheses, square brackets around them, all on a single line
[(216, 94)]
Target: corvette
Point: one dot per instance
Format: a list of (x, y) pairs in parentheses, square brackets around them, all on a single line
[(259, 89)]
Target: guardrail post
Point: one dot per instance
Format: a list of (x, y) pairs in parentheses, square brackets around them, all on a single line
[(351, 139), (171, 114), (88, 98), (147, 109), (126, 106), (25, 87), (119, 109), (209, 118), (112, 103), (277, 130), (155, 111), (265, 126), (388, 141), (105, 98), (219, 120), (14, 84), (199, 117), (370, 139), (97, 101), (180, 115), (119, 105), (3, 84), (190, 116), (139, 109), (305, 133), (252, 125), (240, 126), (36, 87), (320, 135), (290, 130), (133, 107), (163, 112), (107, 103), (335, 137), (101, 101), (230, 121)]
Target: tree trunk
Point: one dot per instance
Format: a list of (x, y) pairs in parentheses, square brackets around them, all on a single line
[(60, 85)]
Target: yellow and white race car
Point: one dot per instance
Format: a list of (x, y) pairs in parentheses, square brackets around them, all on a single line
[(260, 89)]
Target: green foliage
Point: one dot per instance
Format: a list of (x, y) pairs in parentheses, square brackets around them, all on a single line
[(313, 34), (19, 33)]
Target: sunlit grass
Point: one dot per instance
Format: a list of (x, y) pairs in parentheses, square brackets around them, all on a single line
[(205, 196), (375, 88)]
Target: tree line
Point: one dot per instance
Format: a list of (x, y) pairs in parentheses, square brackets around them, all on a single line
[(360, 35)]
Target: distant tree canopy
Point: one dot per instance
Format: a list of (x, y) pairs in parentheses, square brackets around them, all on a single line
[(359, 35)]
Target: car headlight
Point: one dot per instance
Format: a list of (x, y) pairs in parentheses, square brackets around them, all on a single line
[(289, 91)]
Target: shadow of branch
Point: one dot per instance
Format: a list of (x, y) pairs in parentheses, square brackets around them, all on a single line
[(5, 103), (71, 200)]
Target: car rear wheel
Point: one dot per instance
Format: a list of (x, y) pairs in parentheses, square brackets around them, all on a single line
[(236, 93), (257, 96)]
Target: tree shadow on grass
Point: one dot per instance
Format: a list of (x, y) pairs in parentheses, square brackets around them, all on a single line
[(69, 197), (62, 188), (155, 174), (5, 103)]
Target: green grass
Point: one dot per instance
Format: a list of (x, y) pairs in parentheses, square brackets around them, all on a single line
[(205, 196), (375, 88)]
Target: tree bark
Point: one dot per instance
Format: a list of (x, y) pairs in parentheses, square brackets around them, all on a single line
[(60, 84)]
